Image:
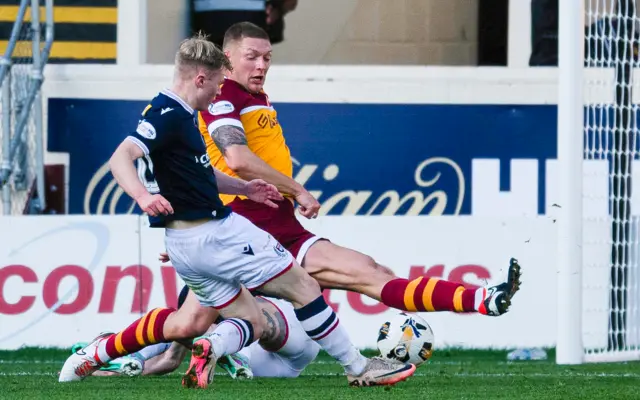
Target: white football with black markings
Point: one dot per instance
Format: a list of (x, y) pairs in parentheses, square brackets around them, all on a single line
[(406, 338)]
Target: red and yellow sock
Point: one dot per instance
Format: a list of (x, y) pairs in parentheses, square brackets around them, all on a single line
[(428, 294), (144, 332)]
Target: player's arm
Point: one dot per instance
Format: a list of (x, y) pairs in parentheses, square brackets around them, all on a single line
[(166, 362), (229, 184), (256, 189), (123, 170), (145, 139), (232, 143)]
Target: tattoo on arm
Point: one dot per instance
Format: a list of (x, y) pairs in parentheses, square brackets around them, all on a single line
[(228, 135)]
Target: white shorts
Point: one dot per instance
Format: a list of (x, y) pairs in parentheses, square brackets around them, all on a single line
[(218, 257), (293, 357)]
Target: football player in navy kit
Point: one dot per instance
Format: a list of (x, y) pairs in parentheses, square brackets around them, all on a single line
[(220, 255)]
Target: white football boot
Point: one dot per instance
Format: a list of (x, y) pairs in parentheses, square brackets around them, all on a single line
[(83, 362), (130, 365), (382, 372)]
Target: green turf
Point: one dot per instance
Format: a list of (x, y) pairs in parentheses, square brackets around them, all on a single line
[(451, 374)]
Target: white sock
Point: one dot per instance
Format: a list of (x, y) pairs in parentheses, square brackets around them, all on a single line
[(322, 325), (230, 336), (480, 296)]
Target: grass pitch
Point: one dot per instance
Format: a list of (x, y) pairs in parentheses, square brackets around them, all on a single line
[(451, 374)]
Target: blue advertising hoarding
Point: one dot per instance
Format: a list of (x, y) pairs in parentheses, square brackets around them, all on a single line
[(353, 157)]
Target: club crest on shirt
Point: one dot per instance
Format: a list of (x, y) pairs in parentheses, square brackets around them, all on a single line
[(146, 130), (221, 107)]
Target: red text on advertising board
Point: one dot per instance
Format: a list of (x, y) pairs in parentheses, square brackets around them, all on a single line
[(144, 283)]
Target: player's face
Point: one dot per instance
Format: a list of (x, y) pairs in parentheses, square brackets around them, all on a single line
[(251, 59), (208, 86)]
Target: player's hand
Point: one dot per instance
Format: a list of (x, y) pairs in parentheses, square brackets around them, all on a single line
[(164, 257), (154, 204), (263, 192), (308, 205)]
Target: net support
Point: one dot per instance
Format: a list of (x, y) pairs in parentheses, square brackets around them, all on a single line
[(34, 86), (36, 74), (569, 180), (621, 158)]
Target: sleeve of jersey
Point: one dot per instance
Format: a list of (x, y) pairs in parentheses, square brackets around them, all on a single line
[(153, 132), (222, 113)]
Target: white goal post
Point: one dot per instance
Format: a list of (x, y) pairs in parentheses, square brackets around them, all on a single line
[(598, 247)]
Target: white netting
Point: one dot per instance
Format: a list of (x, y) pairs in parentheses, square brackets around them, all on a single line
[(24, 165), (611, 298)]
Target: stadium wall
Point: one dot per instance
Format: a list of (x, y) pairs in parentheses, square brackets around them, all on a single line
[(405, 32), (440, 171)]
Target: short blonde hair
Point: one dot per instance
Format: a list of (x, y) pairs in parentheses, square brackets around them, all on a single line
[(198, 51)]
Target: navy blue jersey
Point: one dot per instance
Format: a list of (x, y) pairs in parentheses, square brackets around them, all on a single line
[(176, 164)]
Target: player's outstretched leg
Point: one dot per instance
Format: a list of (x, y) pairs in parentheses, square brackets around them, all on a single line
[(433, 294), (322, 325), (342, 268)]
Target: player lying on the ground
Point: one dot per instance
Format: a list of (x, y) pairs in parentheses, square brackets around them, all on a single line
[(245, 139), (283, 351)]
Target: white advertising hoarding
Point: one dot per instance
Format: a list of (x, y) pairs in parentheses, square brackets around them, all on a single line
[(65, 278)]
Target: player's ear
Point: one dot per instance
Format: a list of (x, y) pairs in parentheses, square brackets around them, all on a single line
[(199, 80)]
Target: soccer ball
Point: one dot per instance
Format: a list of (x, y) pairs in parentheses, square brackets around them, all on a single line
[(406, 338)]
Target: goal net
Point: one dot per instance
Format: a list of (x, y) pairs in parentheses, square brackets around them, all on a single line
[(16, 86), (604, 258)]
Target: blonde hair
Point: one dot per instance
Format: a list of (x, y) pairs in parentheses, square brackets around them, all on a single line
[(198, 51)]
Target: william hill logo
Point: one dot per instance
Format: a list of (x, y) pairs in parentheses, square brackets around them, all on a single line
[(432, 193)]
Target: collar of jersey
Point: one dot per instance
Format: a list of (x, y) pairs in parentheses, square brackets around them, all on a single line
[(177, 98)]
